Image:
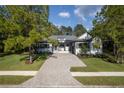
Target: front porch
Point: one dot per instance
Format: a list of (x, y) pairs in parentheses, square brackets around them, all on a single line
[(64, 47)]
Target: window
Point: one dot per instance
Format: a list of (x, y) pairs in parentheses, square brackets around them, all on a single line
[(80, 45), (44, 45)]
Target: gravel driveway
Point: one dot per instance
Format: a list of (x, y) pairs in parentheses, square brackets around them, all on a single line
[(55, 72)]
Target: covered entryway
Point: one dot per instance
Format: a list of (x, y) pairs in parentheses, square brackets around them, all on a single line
[(65, 45), (62, 48)]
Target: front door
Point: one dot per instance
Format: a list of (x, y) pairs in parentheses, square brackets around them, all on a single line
[(61, 47)]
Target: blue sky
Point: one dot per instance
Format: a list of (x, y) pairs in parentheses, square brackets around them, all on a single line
[(70, 15)]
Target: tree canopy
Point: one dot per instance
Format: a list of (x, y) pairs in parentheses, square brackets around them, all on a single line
[(22, 26), (79, 30), (65, 30), (109, 25)]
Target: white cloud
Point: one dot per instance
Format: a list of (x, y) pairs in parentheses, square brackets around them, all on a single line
[(77, 12), (64, 14), (86, 11)]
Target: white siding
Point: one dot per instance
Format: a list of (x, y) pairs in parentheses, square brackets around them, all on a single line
[(85, 36)]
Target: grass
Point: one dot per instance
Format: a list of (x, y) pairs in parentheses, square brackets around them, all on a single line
[(13, 80), (97, 65), (111, 81), (17, 62)]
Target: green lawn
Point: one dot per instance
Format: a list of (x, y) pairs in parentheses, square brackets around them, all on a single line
[(17, 62), (13, 80), (112, 81), (97, 65)]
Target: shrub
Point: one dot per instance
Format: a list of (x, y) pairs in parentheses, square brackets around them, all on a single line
[(109, 58)]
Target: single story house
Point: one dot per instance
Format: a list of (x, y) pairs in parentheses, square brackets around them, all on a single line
[(71, 44)]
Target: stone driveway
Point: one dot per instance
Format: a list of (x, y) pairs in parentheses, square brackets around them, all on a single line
[(55, 72)]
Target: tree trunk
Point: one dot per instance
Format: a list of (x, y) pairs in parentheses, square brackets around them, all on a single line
[(117, 57), (114, 49), (122, 58), (30, 55)]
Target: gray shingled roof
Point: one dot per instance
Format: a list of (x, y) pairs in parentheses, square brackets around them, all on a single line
[(67, 37)]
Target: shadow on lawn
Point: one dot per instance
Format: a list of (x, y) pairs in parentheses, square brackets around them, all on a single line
[(5, 54), (36, 57), (105, 57), (41, 56), (24, 58)]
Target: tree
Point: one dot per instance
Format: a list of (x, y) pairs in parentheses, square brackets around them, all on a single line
[(79, 30), (22, 26), (108, 25), (97, 44), (84, 48), (65, 30), (53, 29), (68, 30), (53, 42)]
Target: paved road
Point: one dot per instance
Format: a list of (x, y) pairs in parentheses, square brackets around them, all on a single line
[(55, 72)]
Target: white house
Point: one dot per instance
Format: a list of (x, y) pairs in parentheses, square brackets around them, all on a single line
[(71, 44), (87, 38)]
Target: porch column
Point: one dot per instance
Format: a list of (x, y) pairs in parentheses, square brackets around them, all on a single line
[(64, 46), (75, 45)]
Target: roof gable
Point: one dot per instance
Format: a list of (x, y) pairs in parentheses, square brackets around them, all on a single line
[(85, 36)]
